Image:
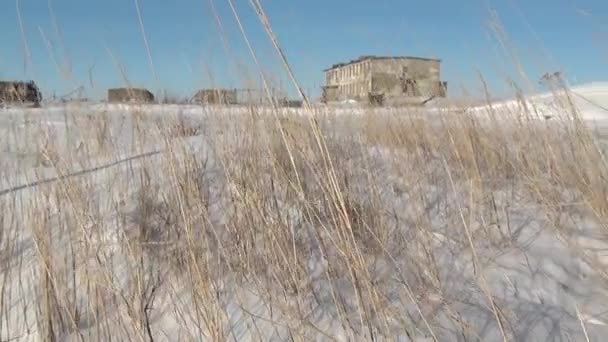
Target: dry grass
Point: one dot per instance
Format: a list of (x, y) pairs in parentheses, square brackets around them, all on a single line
[(361, 238), (387, 226)]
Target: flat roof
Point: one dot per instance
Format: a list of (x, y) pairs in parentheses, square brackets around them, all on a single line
[(128, 88), (365, 58), (16, 82), (215, 89)]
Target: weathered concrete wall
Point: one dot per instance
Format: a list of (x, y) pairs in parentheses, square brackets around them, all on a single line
[(20, 92), (406, 79), (137, 95), (216, 96), (330, 94)]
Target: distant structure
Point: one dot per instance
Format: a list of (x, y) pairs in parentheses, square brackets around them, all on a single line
[(241, 96), (553, 81), (258, 96), (130, 95), (291, 103), (76, 95), (215, 96), (20, 93), (384, 80)]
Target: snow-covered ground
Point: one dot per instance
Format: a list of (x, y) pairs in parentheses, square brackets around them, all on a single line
[(590, 100), (544, 280)]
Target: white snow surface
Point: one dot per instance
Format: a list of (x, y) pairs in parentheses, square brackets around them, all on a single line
[(588, 101), (545, 288)]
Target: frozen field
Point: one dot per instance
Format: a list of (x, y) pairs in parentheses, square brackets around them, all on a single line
[(171, 223)]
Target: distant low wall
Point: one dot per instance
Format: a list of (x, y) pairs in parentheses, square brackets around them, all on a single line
[(215, 96), (136, 95)]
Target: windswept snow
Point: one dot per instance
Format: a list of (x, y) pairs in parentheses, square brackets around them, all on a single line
[(588, 102)]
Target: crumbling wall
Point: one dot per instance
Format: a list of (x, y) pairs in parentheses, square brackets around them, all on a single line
[(216, 96), (136, 95), (406, 79), (330, 94), (20, 92)]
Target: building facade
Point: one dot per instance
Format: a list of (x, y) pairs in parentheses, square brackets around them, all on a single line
[(133, 95), (391, 80)]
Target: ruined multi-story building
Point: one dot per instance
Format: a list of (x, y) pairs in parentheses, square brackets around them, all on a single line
[(20, 92), (390, 80), (133, 95)]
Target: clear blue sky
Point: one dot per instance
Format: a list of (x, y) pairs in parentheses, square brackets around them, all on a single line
[(187, 50)]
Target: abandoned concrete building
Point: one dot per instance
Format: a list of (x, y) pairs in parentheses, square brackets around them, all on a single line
[(384, 80), (133, 95), (20, 92), (215, 96)]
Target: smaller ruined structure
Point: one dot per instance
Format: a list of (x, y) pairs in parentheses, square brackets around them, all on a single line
[(215, 96), (291, 103), (20, 93), (130, 95), (553, 81)]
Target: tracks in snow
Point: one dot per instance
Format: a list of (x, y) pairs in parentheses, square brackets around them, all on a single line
[(77, 173)]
